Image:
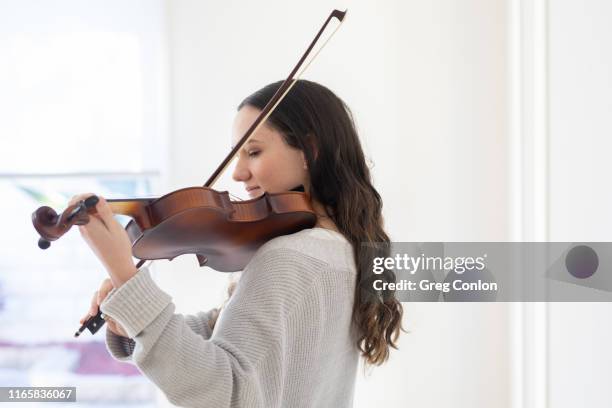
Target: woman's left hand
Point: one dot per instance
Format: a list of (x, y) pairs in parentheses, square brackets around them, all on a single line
[(109, 241)]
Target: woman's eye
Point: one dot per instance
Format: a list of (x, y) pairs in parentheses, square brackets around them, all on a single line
[(253, 153)]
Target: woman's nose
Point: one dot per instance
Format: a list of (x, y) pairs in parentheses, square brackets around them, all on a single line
[(241, 173)]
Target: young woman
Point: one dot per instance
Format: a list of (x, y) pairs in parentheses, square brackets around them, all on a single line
[(291, 333)]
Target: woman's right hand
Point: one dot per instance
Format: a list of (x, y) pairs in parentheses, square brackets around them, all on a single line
[(98, 298)]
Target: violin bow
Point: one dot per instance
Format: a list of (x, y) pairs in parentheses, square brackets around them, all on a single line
[(279, 95)]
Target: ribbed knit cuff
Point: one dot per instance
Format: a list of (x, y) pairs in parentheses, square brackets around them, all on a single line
[(136, 303), (121, 348)]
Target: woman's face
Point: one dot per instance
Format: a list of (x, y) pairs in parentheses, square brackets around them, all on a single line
[(266, 163)]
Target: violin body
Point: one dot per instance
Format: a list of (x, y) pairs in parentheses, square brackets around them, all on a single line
[(223, 234)]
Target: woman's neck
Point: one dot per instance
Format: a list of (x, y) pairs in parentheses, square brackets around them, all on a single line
[(323, 218)]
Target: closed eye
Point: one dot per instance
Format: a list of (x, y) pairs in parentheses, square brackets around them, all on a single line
[(254, 153)]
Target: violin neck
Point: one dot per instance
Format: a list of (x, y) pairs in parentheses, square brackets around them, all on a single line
[(134, 207)]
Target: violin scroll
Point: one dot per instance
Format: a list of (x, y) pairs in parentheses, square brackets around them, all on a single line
[(52, 226)]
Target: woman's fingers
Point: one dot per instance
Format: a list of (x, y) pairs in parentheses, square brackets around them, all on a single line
[(99, 209), (93, 308), (102, 223), (106, 214), (105, 288), (79, 197), (96, 223), (98, 297)]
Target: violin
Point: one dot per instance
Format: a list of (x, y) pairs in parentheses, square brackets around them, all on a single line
[(221, 233)]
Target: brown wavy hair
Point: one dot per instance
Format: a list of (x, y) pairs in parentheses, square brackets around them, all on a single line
[(314, 120)]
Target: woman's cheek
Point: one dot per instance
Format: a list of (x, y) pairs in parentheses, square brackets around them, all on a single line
[(261, 172)]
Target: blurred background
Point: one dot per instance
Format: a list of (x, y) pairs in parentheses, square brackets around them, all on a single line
[(482, 120)]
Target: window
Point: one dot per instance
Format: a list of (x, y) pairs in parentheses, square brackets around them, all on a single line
[(82, 102)]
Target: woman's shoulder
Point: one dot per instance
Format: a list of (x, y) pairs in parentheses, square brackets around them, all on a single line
[(292, 265), (313, 244)]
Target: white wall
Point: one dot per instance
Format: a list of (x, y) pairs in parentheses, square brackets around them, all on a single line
[(580, 104), (562, 89), (427, 84)]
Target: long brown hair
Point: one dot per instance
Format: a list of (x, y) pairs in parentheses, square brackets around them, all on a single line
[(314, 120)]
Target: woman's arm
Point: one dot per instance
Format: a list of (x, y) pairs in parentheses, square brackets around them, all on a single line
[(242, 362), (122, 348)]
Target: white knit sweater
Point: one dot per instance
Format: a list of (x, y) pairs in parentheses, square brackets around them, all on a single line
[(284, 339)]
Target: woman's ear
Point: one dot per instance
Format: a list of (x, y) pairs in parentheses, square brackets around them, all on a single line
[(313, 149)]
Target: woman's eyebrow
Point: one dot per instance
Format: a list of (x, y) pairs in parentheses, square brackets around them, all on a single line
[(250, 141)]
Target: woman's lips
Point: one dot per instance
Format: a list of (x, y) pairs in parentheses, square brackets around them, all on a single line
[(253, 190)]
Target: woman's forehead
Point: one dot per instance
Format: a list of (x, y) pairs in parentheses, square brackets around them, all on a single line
[(244, 119)]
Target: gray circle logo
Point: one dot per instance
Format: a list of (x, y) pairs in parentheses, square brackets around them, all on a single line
[(581, 261)]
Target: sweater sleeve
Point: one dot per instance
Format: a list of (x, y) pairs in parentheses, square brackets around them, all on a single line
[(121, 348), (228, 368)]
